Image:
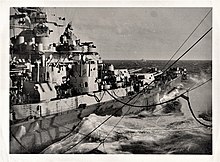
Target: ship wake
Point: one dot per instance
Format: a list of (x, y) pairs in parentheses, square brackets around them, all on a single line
[(156, 134)]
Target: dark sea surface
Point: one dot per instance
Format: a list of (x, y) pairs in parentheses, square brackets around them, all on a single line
[(153, 133)]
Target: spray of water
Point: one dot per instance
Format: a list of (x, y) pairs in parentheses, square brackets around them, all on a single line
[(199, 78)]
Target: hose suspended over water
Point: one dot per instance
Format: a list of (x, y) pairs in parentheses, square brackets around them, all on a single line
[(191, 110)]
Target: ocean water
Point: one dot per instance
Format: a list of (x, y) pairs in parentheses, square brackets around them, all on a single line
[(145, 133)]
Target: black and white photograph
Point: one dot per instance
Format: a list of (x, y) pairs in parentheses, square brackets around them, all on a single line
[(110, 80)]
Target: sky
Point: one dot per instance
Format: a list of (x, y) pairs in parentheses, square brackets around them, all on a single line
[(139, 33)]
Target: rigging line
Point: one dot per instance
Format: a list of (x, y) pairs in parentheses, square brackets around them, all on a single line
[(193, 88), (108, 117), (127, 104), (115, 94), (140, 92), (100, 124), (20, 143), (190, 48), (187, 39), (16, 10), (114, 114), (117, 122), (103, 140), (161, 103), (66, 136), (171, 64), (190, 89), (96, 97), (114, 127), (71, 131)]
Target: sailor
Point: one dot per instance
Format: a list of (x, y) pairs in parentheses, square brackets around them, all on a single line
[(36, 95), (71, 38), (64, 87), (68, 31)]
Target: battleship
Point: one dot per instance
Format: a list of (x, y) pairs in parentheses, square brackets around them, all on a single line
[(54, 86)]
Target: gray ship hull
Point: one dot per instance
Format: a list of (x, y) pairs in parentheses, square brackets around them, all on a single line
[(35, 134)]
